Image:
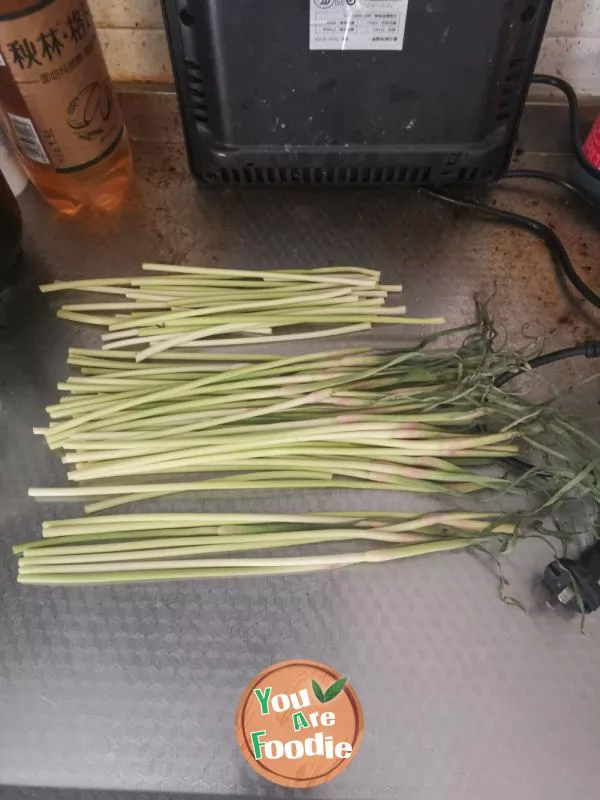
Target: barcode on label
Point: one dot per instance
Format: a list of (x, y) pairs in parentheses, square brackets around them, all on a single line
[(29, 139)]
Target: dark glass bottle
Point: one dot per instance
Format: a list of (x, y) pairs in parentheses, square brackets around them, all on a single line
[(10, 234)]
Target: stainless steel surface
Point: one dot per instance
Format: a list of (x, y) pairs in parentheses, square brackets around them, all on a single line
[(134, 688), (151, 112), (545, 128)]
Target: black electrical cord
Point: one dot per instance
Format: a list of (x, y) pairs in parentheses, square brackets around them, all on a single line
[(557, 180), (574, 119), (590, 349), (552, 241), (538, 229)]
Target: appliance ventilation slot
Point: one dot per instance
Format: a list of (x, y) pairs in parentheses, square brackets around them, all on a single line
[(316, 176), (197, 93), (509, 90), (463, 175)]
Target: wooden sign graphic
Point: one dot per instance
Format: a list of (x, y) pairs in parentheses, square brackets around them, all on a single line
[(299, 723)]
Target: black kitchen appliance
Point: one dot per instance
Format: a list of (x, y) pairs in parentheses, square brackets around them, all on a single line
[(363, 92)]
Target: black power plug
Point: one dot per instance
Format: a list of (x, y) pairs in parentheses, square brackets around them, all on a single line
[(575, 583)]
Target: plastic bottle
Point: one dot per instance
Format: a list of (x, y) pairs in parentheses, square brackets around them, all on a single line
[(59, 105)]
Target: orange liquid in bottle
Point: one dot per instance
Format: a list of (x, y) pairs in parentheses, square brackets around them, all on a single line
[(102, 187), (59, 107)]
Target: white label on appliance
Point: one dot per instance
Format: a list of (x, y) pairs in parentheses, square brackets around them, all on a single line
[(357, 24), (2, 61)]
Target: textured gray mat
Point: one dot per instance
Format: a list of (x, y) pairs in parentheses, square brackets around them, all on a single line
[(134, 688)]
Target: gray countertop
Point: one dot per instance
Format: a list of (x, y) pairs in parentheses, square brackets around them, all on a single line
[(135, 688)]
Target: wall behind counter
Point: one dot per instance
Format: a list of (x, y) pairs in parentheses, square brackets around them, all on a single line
[(133, 37)]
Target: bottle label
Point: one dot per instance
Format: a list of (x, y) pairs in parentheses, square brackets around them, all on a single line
[(28, 139), (55, 60)]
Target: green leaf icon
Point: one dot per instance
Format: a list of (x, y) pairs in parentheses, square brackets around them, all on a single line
[(334, 690), (318, 692), (331, 693)]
